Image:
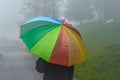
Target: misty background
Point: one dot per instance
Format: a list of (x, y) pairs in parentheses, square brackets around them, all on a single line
[(77, 12), (82, 11)]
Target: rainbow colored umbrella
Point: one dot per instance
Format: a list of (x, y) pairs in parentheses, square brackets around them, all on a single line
[(56, 41)]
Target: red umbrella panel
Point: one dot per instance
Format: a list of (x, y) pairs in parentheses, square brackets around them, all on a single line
[(69, 48)]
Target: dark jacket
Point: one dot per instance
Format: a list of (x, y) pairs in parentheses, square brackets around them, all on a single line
[(41, 65), (53, 71)]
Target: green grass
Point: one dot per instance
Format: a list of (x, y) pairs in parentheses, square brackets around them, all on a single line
[(103, 59), (102, 65)]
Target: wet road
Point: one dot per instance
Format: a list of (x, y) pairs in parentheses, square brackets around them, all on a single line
[(18, 66)]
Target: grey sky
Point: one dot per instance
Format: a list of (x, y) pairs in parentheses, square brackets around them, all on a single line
[(9, 18)]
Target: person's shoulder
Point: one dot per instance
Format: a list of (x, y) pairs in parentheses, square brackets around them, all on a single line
[(41, 65)]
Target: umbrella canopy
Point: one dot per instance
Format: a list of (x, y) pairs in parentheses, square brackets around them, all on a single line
[(56, 41)]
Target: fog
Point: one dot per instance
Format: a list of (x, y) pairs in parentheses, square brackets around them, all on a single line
[(10, 18), (78, 12), (81, 11)]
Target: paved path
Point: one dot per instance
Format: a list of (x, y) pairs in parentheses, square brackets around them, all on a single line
[(18, 66)]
